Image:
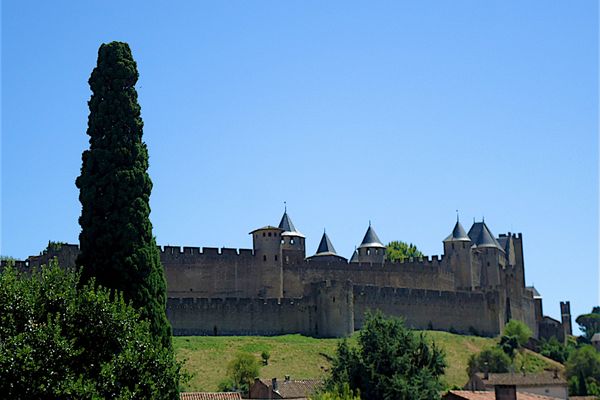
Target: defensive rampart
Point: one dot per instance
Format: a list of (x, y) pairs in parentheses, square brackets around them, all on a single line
[(462, 312), (326, 312)]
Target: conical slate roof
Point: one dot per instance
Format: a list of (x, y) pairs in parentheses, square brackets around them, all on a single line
[(481, 236), (354, 257), (325, 247), (371, 239), (458, 234), (288, 226)]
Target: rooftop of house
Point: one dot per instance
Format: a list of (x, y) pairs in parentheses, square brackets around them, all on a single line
[(488, 395), (295, 388), (544, 378), (210, 396)]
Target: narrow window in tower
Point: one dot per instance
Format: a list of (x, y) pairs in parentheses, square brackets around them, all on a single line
[(263, 234), (452, 246), (368, 252), (291, 241), (282, 241), (265, 258), (463, 245), (275, 257), (269, 234)]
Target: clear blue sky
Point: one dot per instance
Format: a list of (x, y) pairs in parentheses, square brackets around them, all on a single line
[(394, 112)]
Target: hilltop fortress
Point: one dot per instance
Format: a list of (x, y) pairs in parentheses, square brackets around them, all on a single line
[(476, 286)]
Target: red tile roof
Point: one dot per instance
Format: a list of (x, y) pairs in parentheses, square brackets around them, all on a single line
[(210, 396)]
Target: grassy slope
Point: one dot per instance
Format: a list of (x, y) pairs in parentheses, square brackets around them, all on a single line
[(301, 357)]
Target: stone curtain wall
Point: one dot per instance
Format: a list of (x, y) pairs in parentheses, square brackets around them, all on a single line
[(326, 312), (462, 312)]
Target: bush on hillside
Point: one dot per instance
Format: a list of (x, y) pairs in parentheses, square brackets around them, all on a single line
[(492, 359), (59, 339), (241, 372), (390, 362), (519, 330)]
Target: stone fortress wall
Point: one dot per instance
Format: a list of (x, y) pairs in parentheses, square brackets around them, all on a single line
[(476, 286)]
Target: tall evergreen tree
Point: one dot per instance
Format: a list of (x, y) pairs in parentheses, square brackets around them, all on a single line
[(117, 246)]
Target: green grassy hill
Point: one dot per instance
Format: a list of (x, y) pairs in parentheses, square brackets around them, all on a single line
[(305, 357)]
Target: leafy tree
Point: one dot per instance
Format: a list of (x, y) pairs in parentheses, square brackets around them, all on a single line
[(117, 246), (390, 362), (59, 340), (589, 323), (509, 345), (554, 350), (492, 359), (583, 371), (338, 393), (519, 330), (241, 372), (398, 251), (265, 355)]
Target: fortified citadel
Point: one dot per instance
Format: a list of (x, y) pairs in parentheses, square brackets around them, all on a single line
[(476, 286)]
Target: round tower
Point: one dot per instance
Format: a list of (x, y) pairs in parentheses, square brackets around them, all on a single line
[(292, 242), (266, 242), (371, 250), (457, 252)]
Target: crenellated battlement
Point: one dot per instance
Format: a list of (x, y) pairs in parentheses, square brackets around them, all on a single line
[(171, 252)]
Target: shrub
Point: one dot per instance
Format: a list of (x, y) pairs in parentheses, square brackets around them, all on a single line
[(59, 339), (390, 362), (519, 330), (493, 359), (241, 372)]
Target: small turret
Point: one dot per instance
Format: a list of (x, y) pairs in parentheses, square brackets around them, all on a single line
[(457, 249), (488, 256), (326, 251), (292, 241), (371, 249)]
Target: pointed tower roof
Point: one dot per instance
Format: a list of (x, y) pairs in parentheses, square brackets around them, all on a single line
[(288, 227), (325, 247), (481, 236), (354, 257), (458, 234), (371, 239)]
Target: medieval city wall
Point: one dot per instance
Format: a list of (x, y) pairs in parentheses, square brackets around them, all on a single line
[(426, 273), (326, 312), (462, 312)]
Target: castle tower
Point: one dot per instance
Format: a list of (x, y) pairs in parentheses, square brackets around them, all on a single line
[(371, 249), (487, 256), (266, 242), (565, 317), (292, 241), (457, 250), (326, 251)]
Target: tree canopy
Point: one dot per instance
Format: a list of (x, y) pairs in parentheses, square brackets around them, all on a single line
[(398, 251), (390, 362), (59, 339), (590, 323), (117, 246)]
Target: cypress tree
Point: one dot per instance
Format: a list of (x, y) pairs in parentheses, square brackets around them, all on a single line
[(117, 246)]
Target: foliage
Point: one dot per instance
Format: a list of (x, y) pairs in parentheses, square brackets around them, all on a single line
[(589, 323), (53, 247), (583, 371), (265, 355), (342, 392), (398, 251), (519, 330), (390, 361), (241, 372), (492, 359), (117, 246), (59, 339), (509, 345), (554, 350)]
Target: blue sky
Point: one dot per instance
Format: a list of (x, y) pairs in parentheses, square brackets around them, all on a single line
[(394, 112)]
